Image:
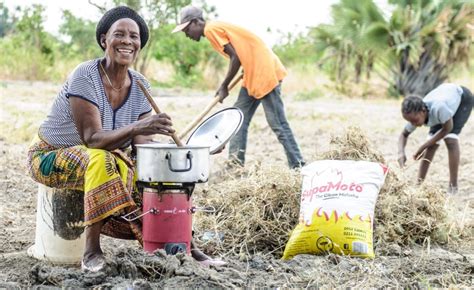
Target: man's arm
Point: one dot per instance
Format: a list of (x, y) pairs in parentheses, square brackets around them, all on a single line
[(234, 66)]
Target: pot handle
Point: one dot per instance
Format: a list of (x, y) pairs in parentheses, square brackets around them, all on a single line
[(189, 156)]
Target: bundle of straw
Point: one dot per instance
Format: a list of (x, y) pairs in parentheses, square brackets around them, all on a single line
[(257, 212), (405, 213)]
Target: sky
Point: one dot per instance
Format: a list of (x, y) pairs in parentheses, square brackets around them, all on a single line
[(267, 18)]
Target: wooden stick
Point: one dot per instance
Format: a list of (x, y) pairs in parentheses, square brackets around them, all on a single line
[(411, 161), (199, 118), (175, 137)]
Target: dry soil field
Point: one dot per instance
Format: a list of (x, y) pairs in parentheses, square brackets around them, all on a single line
[(314, 121)]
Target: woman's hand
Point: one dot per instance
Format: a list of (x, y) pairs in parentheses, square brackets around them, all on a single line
[(155, 124), (445, 129), (419, 153)]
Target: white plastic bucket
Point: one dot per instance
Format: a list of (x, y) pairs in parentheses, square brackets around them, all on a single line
[(59, 237)]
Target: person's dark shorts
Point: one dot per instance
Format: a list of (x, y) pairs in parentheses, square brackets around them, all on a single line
[(462, 114)]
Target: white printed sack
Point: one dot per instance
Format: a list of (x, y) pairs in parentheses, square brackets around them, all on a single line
[(337, 208)]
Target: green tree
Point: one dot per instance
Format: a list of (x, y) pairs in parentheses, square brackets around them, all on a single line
[(416, 47), (342, 40), (29, 51), (30, 28), (424, 41), (6, 20), (335, 49), (296, 48), (187, 57), (80, 36)]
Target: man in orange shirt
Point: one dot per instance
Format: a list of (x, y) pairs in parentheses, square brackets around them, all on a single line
[(263, 73)]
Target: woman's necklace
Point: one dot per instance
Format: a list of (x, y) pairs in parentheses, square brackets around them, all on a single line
[(108, 79)]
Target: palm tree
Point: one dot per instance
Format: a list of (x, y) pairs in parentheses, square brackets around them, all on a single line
[(335, 47), (425, 41), (341, 41), (416, 47)]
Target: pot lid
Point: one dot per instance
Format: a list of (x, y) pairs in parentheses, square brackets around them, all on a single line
[(217, 130)]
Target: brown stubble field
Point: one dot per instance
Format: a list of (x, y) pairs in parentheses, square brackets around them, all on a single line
[(314, 121)]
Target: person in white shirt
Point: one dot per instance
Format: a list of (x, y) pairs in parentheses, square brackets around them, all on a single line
[(445, 110)]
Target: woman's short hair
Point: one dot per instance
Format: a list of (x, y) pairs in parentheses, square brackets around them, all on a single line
[(119, 12), (412, 103)]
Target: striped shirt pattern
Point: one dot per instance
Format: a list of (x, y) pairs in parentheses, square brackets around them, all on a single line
[(59, 129)]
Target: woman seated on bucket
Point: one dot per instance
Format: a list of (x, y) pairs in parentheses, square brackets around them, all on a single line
[(445, 110), (97, 115)]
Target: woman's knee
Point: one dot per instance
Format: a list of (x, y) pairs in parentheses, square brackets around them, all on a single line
[(451, 143), (95, 154), (99, 156), (433, 147)]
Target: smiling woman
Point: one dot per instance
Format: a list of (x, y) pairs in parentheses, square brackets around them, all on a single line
[(84, 143), (100, 112)]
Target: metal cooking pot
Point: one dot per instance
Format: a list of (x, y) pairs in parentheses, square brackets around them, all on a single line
[(168, 163), (189, 164)]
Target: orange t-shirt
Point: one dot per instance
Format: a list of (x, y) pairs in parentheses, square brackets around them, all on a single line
[(262, 68)]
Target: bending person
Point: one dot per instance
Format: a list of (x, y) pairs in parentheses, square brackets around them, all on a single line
[(263, 74), (445, 110)]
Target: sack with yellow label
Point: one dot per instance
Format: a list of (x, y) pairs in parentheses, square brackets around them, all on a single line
[(337, 208)]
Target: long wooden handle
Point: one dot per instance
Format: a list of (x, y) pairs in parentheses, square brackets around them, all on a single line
[(175, 137), (199, 118)]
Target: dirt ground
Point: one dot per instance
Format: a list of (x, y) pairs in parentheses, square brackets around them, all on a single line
[(313, 121)]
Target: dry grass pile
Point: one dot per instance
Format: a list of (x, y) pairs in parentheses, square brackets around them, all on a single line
[(353, 145), (256, 213), (405, 213)]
